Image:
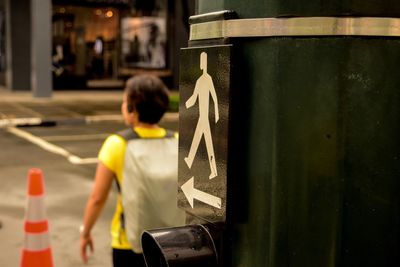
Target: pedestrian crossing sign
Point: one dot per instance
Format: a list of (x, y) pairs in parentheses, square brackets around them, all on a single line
[(203, 130)]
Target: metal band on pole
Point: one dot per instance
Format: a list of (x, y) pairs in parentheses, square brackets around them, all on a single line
[(299, 26)]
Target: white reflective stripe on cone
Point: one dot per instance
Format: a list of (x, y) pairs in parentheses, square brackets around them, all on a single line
[(35, 209), (37, 242)]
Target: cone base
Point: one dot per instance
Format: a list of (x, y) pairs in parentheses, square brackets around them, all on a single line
[(37, 258)]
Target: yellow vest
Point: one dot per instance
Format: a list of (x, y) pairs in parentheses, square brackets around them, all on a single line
[(112, 155)]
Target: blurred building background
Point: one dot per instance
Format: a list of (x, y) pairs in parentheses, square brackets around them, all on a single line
[(48, 45)]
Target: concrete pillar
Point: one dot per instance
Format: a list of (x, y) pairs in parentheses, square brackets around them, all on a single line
[(179, 31), (41, 77), (18, 38)]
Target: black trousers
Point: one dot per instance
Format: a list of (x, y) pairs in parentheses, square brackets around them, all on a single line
[(127, 258)]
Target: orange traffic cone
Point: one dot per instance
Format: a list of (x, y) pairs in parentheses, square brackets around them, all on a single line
[(37, 250)]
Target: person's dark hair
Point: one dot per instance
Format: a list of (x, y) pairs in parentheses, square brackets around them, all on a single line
[(147, 95)]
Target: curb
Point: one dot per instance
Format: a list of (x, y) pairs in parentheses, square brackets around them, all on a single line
[(39, 122)]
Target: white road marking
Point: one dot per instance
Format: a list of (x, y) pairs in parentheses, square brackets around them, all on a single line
[(51, 147), (97, 118), (171, 116), (168, 116), (80, 161)]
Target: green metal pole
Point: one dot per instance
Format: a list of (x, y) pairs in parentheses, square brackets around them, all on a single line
[(279, 8), (318, 123)]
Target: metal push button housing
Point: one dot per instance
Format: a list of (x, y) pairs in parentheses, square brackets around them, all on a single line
[(190, 245)]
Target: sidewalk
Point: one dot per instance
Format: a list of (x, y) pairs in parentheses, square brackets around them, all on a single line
[(21, 108), (63, 107)]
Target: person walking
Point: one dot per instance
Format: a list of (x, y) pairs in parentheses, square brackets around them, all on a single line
[(145, 101)]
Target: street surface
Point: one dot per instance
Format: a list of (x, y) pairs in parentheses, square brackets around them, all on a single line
[(66, 154)]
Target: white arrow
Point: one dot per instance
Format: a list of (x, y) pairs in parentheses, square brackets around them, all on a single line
[(192, 193)]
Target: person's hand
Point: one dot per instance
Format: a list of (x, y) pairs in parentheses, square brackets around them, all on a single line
[(85, 242)]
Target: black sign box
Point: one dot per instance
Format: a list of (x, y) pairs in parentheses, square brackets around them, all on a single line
[(203, 131)]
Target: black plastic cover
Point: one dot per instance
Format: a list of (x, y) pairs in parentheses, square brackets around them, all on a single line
[(190, 245)]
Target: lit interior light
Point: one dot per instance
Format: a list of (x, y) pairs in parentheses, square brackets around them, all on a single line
[(62, 10), (109, 14), (98, 12)]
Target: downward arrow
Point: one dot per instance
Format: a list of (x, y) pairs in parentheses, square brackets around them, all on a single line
[(192, 193)]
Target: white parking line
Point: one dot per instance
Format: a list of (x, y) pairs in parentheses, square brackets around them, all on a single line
[(171, 116), (51, 147), (98, 118)]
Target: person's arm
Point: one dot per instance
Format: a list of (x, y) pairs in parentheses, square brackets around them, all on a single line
[(94, 206)]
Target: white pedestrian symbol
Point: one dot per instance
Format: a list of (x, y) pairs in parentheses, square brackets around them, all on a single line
[(204, 87)]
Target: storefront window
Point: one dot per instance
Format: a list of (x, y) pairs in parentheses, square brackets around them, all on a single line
[(93, 41), (85, 41)]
